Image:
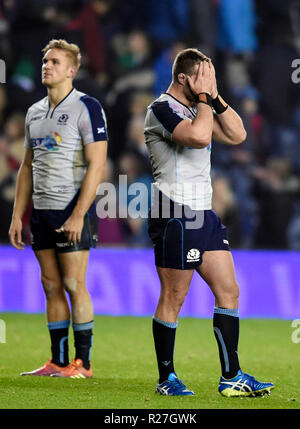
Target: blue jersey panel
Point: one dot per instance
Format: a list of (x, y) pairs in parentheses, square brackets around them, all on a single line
[(97, 118), (166, 115)]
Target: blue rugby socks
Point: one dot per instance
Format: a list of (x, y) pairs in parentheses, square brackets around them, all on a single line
[(226, 329), (59, 332)]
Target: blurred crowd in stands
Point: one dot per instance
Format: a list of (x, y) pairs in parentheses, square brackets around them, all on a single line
[(128, 48)]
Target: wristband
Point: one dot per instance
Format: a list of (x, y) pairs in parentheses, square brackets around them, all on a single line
[(219, 105), (204, 97)]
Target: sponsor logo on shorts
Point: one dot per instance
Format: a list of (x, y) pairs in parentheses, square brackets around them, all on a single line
[(226, 242), (193, 255), (62, 244)]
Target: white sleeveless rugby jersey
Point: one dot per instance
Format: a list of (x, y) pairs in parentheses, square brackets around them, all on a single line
[(57, 138), (180, 172)]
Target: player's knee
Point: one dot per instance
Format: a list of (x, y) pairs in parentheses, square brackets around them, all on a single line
[(228, 297), (52, 288), (234, 291), (175, 297), (70, 285), (74, 287)]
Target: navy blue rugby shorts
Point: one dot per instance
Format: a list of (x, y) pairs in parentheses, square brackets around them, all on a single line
[(44, 222), (180, 241)]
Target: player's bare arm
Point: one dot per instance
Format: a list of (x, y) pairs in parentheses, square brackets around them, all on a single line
[(95, 154), (23, 194), (228, 126), (198, 132)]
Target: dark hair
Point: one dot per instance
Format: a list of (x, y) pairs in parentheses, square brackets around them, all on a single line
[(185, 61)]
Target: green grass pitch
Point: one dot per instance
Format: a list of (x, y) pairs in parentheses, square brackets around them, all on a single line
[(125, 370)]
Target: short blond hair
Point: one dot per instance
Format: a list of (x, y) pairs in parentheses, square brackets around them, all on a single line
[(71, 50)]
